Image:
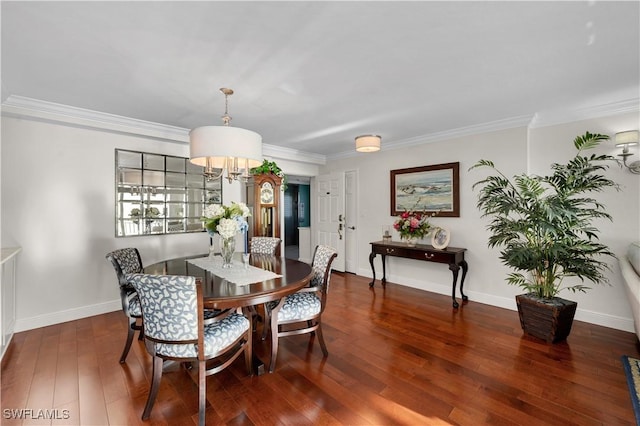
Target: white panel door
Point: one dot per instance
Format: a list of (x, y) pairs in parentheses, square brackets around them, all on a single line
[(330, 213), (351, 216)]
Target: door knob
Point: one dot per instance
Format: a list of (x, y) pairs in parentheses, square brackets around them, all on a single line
[(351, 227)]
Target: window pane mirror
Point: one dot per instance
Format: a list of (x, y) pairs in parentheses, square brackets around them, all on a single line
[(160, 194)]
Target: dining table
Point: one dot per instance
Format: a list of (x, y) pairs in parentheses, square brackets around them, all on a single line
[(263, 278), (218, 287)]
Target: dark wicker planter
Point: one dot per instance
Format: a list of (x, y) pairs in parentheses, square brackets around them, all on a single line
[(547, 319)]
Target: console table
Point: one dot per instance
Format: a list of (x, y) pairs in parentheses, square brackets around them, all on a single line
[(453, 256)]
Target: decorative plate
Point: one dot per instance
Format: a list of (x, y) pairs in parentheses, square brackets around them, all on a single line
[(440, 238)]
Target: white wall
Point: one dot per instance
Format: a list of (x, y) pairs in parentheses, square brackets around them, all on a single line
[(58, 205), (513, 151), (607, 302)]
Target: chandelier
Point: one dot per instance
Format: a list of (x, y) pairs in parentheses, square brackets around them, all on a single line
[(217, 148)]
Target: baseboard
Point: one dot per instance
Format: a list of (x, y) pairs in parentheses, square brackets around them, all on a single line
[(67, 315), (591, 317), (4, 349), (611, 321)]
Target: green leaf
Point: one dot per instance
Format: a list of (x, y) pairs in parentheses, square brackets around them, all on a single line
[(544, 224)]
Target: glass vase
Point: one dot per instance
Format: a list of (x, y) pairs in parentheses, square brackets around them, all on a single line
[(227, 248), (411, 241), (212, 244)]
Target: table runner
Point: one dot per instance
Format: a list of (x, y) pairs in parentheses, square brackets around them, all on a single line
[(237, 274)]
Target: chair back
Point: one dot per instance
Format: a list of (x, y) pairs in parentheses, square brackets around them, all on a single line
[(169, 307), (321, 267), (125, 261), (265, 245)]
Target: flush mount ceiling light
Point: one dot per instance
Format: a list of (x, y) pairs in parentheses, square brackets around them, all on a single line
[(224, 147), (624, 140), (368, 143)]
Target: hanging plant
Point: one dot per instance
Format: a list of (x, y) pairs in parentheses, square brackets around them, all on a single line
[(270, 167)]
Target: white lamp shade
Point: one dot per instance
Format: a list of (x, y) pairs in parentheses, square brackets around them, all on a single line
[(630, 137), (221, 142), (368, 143)]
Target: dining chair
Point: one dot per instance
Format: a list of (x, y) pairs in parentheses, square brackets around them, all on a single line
[(128, 261), (265, 245), (301, 312), (174, 329)]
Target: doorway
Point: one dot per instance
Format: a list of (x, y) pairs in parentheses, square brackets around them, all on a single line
[(291, 240), (296, 214)]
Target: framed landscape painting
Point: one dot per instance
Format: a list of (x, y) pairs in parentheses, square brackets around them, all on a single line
[(427, 189)]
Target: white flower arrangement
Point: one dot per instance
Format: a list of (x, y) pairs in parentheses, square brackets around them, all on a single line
[(227, 228), (226, 220), (214, 210), (245, 210)]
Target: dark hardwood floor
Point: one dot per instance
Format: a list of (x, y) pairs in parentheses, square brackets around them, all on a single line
[(397, 356)]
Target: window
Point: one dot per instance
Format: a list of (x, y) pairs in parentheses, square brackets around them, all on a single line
[(160, 194)]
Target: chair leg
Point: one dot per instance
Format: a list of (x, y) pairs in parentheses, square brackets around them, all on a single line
[(141, 334), (202, 392), (127, 345), (155, 385), (321, 339)]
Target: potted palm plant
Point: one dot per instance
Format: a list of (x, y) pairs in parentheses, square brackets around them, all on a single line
[(544, 227)]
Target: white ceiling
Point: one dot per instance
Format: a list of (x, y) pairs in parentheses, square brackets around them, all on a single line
[(311, 76)]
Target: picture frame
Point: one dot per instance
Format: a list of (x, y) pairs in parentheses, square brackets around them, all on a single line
[(440, 238), (433, 189)]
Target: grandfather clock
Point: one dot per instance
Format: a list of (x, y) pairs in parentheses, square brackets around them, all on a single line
[(264, 194)]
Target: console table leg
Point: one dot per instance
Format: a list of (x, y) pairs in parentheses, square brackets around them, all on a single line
[(465, 267), (454, 270), (372, 256), (384, 270)]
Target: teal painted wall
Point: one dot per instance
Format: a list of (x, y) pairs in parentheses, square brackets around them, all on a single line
[(304, 212)]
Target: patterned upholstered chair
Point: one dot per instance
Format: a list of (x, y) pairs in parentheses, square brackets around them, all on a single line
[(301, 312), (174, 329), (265, 245), (127, 261)]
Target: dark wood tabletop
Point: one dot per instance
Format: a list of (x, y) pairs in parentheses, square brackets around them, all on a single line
[(221, 294)]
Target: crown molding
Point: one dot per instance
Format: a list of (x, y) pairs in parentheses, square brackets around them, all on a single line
[(35, 109), (555, 117), (50, 112), (293, 155), (507, 123), (539, 119)]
